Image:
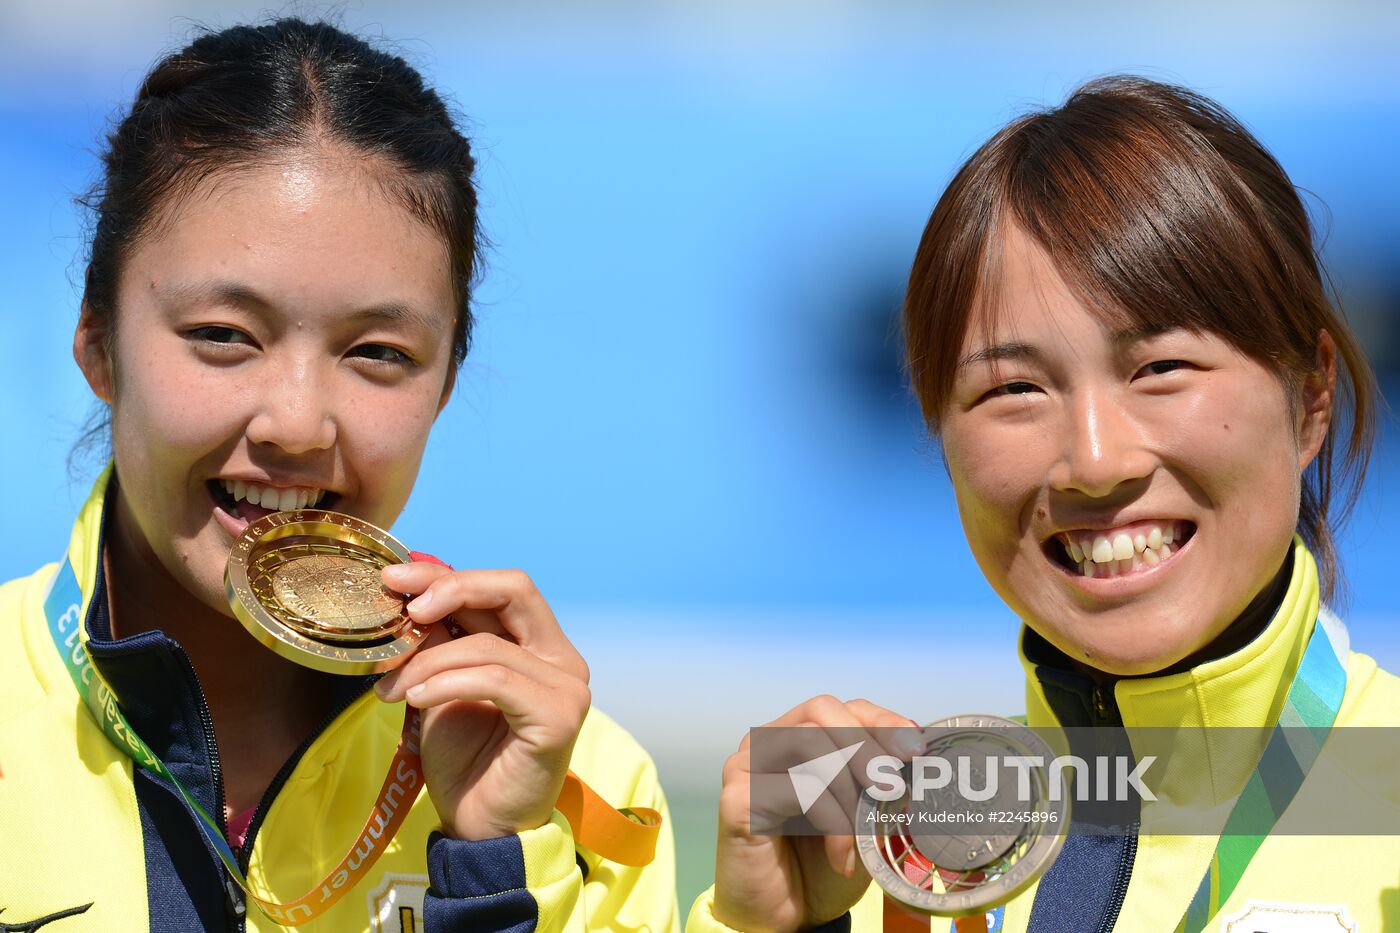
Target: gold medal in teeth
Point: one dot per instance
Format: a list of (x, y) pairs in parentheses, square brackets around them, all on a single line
[(305, 583)]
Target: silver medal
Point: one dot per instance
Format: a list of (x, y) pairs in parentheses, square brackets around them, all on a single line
[(946, 853)]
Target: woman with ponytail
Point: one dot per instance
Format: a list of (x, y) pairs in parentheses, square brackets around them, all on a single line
[(277, 300)]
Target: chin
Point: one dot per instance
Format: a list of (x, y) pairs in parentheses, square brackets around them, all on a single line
[(1132, 650), (1132, 665), (203, 575)]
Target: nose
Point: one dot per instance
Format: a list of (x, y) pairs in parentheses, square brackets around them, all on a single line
[(294, 410), (1103, 447)]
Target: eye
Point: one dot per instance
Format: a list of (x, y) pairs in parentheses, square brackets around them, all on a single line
[(219, 334), (380, 353), (1011, 388), (1162, 367)]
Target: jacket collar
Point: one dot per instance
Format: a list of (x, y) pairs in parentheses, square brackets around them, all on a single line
[(85, 543), (1244, 688), (84, 555)]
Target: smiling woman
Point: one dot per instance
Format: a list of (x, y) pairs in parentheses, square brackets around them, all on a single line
[(276, 304), (1118, 330), (1149, 449)]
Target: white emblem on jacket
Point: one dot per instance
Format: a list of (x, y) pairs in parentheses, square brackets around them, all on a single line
[(396, 903)]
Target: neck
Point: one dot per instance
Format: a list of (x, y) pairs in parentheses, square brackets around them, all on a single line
[(262, 705)]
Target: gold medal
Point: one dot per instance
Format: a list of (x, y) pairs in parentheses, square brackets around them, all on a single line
[(305, 583)]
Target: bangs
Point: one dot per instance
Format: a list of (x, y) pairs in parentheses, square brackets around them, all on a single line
[(989, 309), (1152, 230)]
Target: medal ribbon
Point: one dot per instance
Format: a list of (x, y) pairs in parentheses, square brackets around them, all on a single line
[(624, 836), (1308, 713)]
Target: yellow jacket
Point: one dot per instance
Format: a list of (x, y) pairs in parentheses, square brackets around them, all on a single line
[(78, 828)]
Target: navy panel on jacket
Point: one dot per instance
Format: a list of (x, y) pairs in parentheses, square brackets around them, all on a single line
[(478, 886), (1083, 890)]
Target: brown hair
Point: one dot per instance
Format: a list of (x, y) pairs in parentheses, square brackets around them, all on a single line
[(1162, 211)]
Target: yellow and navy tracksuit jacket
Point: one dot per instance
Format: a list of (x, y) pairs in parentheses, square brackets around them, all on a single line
[(1142, 883), (93, 845)]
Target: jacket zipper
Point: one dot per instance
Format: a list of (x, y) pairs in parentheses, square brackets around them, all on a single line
[(1106, 712), (233, 895), (245, 852), (1120, 882)]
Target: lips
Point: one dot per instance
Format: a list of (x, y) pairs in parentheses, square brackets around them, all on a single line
[(1120, 551)]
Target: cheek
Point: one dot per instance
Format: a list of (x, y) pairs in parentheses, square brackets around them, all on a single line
[(162, 403), (993, 474), (387, 432), (1238, 449), (991, 494)]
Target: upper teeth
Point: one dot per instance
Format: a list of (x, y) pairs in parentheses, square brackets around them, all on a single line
[(272, 497), (1121, 552)]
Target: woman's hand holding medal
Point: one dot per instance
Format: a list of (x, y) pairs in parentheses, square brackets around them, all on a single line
[(775, 882), (502, 705)]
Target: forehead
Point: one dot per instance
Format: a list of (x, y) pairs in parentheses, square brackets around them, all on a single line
[(1025, 295), (311, 231)]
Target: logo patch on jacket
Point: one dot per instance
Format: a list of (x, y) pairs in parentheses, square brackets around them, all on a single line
[(1278, 917), (29, 926), (396, 903)]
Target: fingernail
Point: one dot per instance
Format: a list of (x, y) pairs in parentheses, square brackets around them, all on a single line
[(394, 570), (420, 602), (385, 685), (909, 741), (850, 868), (415, 691)]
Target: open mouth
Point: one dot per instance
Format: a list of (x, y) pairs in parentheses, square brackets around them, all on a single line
[(1119, 552), (248, 502)]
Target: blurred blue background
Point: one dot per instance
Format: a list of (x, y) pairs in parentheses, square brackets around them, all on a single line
[(684, 414)]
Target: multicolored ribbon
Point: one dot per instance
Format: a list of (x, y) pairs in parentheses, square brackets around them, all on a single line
[(1308, 713)]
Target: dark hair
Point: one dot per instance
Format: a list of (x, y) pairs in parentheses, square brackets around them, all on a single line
[(239, 96), (1161, 210)]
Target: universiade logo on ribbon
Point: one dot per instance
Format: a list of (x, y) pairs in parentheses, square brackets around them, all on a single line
[(885, 778)]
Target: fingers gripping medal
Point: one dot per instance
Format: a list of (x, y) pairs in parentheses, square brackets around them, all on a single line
[(939, 851), (305, 583)]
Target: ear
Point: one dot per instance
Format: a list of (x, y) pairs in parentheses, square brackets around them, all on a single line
[(1319, 392), (90, 352)]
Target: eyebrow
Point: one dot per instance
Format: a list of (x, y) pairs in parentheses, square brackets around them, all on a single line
[(241, 295), (1026, 351)]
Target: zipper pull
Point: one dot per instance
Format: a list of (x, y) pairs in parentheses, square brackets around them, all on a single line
[(1103, 701), (233, 895)]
